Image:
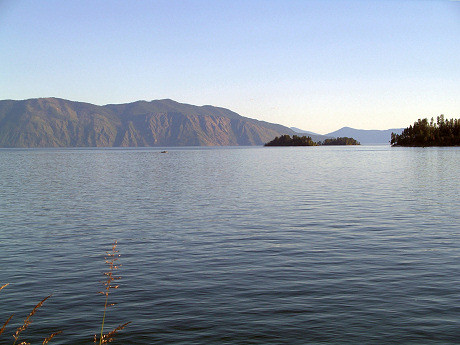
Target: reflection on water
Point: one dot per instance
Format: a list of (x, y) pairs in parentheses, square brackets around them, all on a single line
[(235, 245)]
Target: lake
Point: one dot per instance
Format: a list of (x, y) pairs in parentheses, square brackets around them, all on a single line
[(234, 245)]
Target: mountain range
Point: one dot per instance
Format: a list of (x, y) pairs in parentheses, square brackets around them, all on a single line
[(365, 136), (314, 136), (55, 122)]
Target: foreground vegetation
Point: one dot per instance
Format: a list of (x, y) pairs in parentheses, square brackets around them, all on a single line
[(111, 260), (423, 133), (286, 140)]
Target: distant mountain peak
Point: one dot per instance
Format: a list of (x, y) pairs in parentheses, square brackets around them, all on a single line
[(364, 136), (315, 136)]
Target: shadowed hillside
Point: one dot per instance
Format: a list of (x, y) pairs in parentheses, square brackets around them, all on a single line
[(53, 122)]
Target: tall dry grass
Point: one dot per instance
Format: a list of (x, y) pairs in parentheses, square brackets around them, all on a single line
[(26, 323), (111, 260)]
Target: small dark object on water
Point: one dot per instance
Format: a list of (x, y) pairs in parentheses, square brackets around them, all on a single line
[(164, 152)]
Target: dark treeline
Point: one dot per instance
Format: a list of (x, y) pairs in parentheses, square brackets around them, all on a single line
[(286, 140), (340, 141), (443, 132)]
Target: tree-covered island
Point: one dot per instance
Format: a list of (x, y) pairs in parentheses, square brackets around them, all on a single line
[(340, 141), (286, 140), (423, 133)]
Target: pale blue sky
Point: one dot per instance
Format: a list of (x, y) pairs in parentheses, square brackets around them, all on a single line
[(318, 65)]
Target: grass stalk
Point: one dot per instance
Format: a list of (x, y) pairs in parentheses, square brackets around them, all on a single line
[(28, 320), (111, 260), (51, 337), (103, 317), (4, 325)]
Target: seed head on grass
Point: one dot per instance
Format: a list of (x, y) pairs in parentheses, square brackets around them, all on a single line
[(111, 260), (28, 320), (6, 322), (46, 341), (109, 337), (26, 323)]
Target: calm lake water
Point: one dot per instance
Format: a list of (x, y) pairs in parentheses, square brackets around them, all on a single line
[(308, 245)]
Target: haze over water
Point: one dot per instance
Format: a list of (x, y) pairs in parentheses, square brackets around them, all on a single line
[(333, 245)]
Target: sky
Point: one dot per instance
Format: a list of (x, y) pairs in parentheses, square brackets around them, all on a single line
[(318, 65)]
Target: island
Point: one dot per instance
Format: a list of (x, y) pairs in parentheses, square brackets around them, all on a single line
[(340, 141), (286, 140), (443, 132)]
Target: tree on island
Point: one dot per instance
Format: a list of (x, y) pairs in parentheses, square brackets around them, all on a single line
[(423, 133), (286, 140), (340, 141)]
